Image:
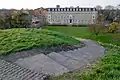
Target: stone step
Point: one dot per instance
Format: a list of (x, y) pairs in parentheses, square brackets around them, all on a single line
[(42, 63), (69, 63), (92, 53), (10, 71), (77, 55)]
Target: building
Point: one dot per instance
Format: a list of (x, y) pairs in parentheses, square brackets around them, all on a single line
[(39, 17), (71, 16)]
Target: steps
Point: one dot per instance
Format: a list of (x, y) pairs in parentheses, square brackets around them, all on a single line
[(63, 62), (9, 71), (42, 63)]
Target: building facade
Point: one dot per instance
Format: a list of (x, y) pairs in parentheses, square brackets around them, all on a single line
[(39, 17), (71, 16)]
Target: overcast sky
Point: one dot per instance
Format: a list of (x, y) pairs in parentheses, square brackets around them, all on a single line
[(32, 4)]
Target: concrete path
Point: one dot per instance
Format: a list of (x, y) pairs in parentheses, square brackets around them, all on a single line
[(63, 62)]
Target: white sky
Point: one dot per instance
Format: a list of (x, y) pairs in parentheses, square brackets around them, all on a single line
[(32, 4)]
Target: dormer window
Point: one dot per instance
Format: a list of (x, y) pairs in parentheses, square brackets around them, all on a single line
[(89, 9), (55, 9), (58, 9), (83, 10), (52, 9), (48, 9), (76, 9), (79, 9), (67, 9), (73, 9)]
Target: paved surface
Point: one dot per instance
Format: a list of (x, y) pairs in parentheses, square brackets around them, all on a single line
[(65, 61), (10, 71)]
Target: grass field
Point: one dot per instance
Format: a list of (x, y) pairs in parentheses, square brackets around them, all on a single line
[(84, 33), (12, 40)]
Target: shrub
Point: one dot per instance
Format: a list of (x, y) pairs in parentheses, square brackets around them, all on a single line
[(17, 19), (113, 27), (96, 29)]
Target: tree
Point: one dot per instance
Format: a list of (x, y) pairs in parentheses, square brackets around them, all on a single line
[(5, 21), (118, 7), (21, 19), (109, 7), (17, 19), (100, 19), (99, 7)]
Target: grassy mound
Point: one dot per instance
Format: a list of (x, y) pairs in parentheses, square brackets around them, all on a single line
[(13, 40)]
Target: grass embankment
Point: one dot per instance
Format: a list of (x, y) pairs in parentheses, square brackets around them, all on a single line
[(84, 33), (12, 40)]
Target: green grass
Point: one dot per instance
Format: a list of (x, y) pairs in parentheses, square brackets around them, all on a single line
[(84, 33), (108, 68), (12, 40), (71, 31)]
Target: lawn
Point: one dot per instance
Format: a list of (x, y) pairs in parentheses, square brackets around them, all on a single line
[(12, 40), (71, 31), (84, 33)]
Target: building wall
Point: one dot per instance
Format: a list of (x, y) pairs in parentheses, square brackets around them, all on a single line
[(71, 17)]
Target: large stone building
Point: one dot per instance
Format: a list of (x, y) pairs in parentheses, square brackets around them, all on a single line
[(71, 16)]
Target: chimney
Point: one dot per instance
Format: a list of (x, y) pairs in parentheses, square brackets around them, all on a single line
[(57, 6)]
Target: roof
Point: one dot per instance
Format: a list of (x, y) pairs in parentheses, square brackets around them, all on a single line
[(71, 9)]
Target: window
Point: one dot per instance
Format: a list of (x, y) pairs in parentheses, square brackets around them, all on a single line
[(82, 21), (48, 9), (73, 9), (49, 20), (89, 9), (61, 9), (58, 9), (83, 9), (52, 9), (70, 9), (79, 9), (55, 9), (67, 9)]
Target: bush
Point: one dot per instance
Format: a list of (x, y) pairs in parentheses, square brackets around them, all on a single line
[(113, 27), (17, 19), (96, 29)]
